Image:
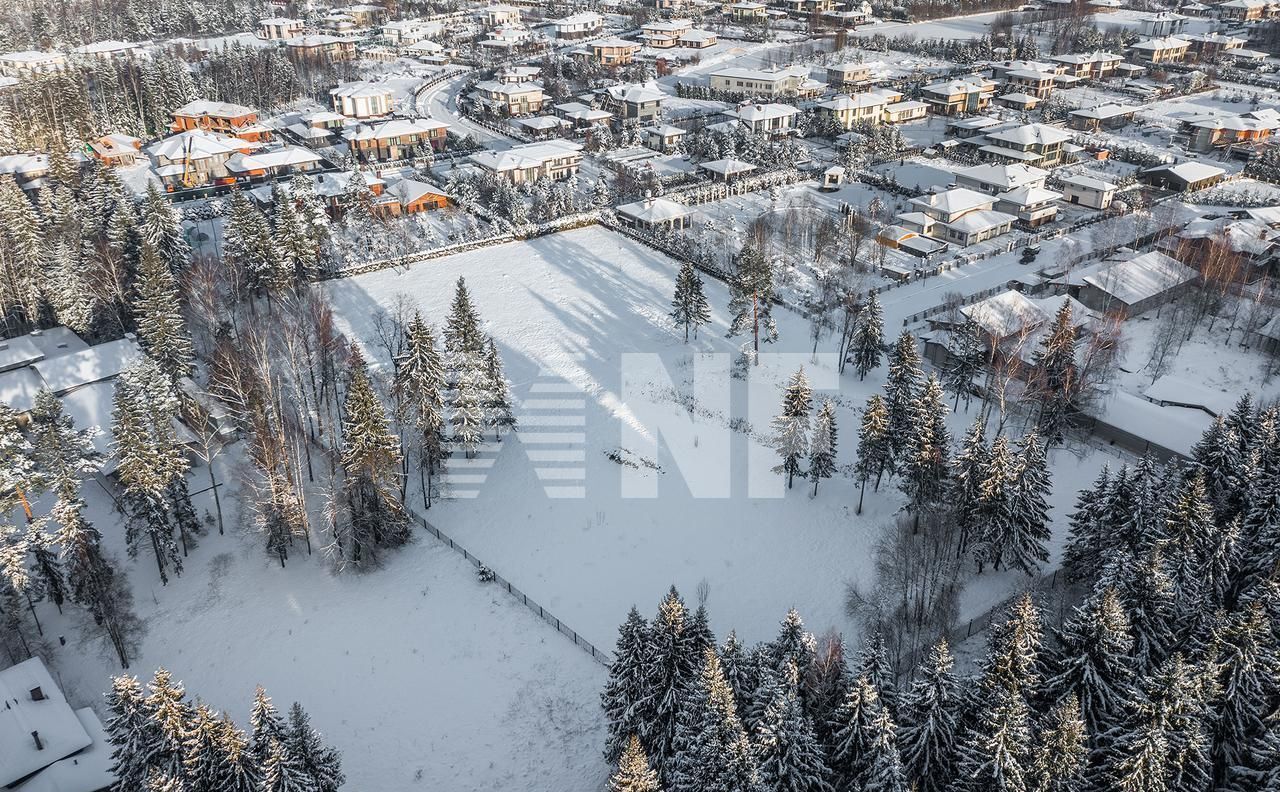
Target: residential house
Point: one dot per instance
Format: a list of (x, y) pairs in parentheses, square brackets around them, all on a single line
[(1106, 116), (221, 117), (1210, 46), (1019, 101), (397, 138), (613, 51), (1000, 70), (365, 15), (863, 108), (903, 112), (117, 150), (1205, 133), (663, 137), (1033, 83), (970, 127), (25, 64), (727, 170), (1087, 191), (959, 215), (1131, 286), (197, 158), (518, 74), (28, 170), (664, 34), (581, 116), (107, 51), (273, 164), (1224, 248), (495, 15), (1161, 23), (514, 99), (787, 81), (654, 214), (362, 99), (1155, 51), (1032, 206), (773, 120), (1030, 144), (993, 179), (409, 196), (636, 102), (1182, 177), (333, 187), (410, 31), (1244, 10), (852, 15), (553, 159), (280, 28), (748, 12), (503, 41), (849, 77), (43, 741), (1089, 65), (319, 48), (697, 39), (966, 95), (578, 26)]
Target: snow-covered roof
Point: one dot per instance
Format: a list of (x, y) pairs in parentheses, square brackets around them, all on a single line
[(24, 164), (204, 107), (654, 210), (60, 731), (360, 88), (527, 155), (95, 364), (1004, 176), (1087, 182), (1031, 135), (727, 167), (1186, 393), (18, 352), (394, 128), (334, 185), (99, 47), (762, 112), (1174, 428), (509, 89), (614, 43), (541, 123), (1165, 43), (409, 190), (957, 199), (89, 770), (1241, 236), (289, 156), (636, 93), (981, 220), (876, 98), (1105, 111), (1029, 195), (1088, 57), (1005, 314), (1136, 279), (1190, 172), (966, 85)]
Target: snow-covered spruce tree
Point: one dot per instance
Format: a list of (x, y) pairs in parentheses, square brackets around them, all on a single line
[(1091, 664), (741, 670), (297, 248), (930, 713), (794, 645), (249, 246), (786, 750), (995, 756), (161, 228), (824, 686), (130, 731), (21, 481), (874, 446), (45, 564), (1176, 698), (1055, 380), (170, 716), (210, 754), (674, 667), (162, 330), (1148, 596), (822, 451), (884, 771), (967, 474), (418, 387), (902, 389), (634, 773), (321, 763), (995, 504), (283, 773), (1222, 464), (497, 394), (467, 417), (152, 465), (371, 463), (1012, 662), (1060, 754), (627, 694), (856, 717), (1249, 677), (57, 447), (265, 726), (1086, 536), (873, 662), (791, 427), (966, 357), (689, 307), (1190, 534), (1027, 532), (925, 462), (751, 297), (867, 346), (712, 753)]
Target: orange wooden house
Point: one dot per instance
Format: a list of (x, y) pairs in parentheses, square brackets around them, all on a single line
[(221, 117)]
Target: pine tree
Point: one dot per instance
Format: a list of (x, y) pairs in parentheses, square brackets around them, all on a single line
[(170, 713), (634, 773), (1013, 653), (161, 327), (1218, 456), (1092, 665), (874, 445), (995, 756), (162, 230), (822, 451), (371, 461), (714, 754), (884, 771), (995, 504), (751, 297), (824, 688), (1060, 755), (1026, 533), (1055, 380), (740, 670), (966, 357), (857, 715), (418, 386), (925, 462), (283, 773), (786, 749), (930, 714), (206, 765), (131, 731), (675, 666), (867, 345), (967, 476), (319, 762), (265, 726), (902, 390), (1083, 557), (467, 415), (462, 330), (497, 402), (689, 306), (1249, 676), (791, 427), (627, 694)]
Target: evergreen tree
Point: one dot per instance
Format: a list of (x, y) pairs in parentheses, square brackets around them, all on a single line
[(675, 666), (1092, 665), (1013, 653), (171, 716), (162, 230), (966, 357), (132, 733), (857, 716), (462, 332), (874, 663), (930, 729), (791, 427), (1221, 463), (884, 771), (786, 749), (1060, 754), (320, 763), (206, 763), (418, 388), (867, 344), (689, 306), (265, 726), (627, 693), (283, 773), (497, 401), (995, 504), (740, 670), (995, 756), (751, 297), (1055, 379), (1026, 533), (371, 461), (874, 445), (634, 773), (1083, 558), (161, 328), (714, 754), (902, 391), (967, 476), (925, 461), (822, 451)]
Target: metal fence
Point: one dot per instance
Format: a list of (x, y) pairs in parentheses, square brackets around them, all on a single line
[(582, 643)]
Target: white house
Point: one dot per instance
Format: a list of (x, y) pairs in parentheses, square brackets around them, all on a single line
[(362, 99), (280, 28), (554, 159), (1087, 191)]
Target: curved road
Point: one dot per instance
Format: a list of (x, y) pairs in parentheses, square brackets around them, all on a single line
[(441, 103)]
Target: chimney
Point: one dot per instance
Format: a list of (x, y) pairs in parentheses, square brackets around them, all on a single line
[(37, 694), (35, 735)]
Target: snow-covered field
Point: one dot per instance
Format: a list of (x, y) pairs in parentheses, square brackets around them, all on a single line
[(551, 512)]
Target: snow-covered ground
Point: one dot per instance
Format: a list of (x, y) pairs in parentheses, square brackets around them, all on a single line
[(550, 509)]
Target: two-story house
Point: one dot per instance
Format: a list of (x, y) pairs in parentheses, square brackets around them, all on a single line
[(967, 95), (960, 216), (1031, 144), (510, 98), (1089, 65), (862, 108), (398, 138), (1168, 49), (636, 102), (553, 159), (578, 26), (766, 119), (362, 99)]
